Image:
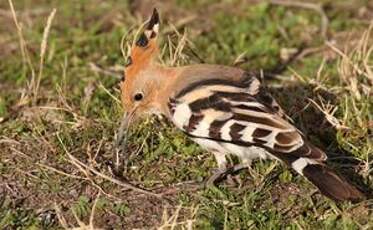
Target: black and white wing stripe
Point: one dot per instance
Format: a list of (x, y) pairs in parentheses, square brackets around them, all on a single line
[(243, 114), (237, 116)]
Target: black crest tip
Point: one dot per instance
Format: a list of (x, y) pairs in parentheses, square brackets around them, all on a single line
[(154, 19)]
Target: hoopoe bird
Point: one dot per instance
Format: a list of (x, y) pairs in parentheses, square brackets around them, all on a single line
[(225, 110)]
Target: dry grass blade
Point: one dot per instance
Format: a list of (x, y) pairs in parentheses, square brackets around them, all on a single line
[(356, 61), (179, 48), (59, 171), (7, 140), (43, 48), (346, 60), (60, 217), (329, 110), (103, 176), (110, 94), (98, 69), (88, 178), (82, 225), (34, 84), (355, 71), (91, 218), (182, 22), (25, 55), (124, 44), (173, 222), (137, 33), (173, 51)]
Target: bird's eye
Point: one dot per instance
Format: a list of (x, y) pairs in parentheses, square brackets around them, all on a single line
[(138, 96)]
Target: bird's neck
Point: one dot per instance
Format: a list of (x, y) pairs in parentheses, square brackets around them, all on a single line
[(167, 77)]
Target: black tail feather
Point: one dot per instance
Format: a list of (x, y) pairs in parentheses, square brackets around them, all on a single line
[(330, 184)]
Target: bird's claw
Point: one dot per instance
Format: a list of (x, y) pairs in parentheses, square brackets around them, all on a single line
[(221, 173)]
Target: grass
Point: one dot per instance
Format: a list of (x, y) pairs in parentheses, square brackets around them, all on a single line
[(326, 90)]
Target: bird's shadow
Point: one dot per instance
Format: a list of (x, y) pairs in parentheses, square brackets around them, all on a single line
[(295, 100)]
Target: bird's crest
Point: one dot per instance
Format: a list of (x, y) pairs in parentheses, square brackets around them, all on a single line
[(145, 48)]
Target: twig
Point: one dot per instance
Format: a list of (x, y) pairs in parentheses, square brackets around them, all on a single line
[(91, 218), (329, 111), (126, 185), (98, 150), (6, 140), (60, 217), (60, 172), (179, 24), (82, 225), (310, 6), (98, 69), (80, 222), (20, 153), (85, 172), (26, 13), (115, 181)]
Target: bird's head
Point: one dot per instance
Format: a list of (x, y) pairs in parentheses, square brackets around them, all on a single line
[(142, 75), (145, 81)]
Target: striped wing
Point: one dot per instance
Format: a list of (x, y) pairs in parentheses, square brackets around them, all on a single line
[(242, 114)]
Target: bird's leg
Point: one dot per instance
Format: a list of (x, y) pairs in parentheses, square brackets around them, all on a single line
[(245, 164), (222, 170), (221, 174), (233, 179), (218, 172), (221, 160)]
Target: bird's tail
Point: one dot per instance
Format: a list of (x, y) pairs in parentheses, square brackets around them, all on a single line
[(309, 162), (330, 184)]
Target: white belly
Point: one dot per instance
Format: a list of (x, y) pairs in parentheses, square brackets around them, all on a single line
[(210, 145), (245, 154)]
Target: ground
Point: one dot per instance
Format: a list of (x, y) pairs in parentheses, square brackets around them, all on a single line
[(57, 137)]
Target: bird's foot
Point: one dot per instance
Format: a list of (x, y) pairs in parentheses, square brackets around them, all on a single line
[(222, 173), (218, 175)]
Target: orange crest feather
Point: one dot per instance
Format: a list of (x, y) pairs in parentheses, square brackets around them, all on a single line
[(145, 48)]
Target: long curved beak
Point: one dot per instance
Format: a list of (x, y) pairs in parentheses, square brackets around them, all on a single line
[(123, 130), (120, 153)]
